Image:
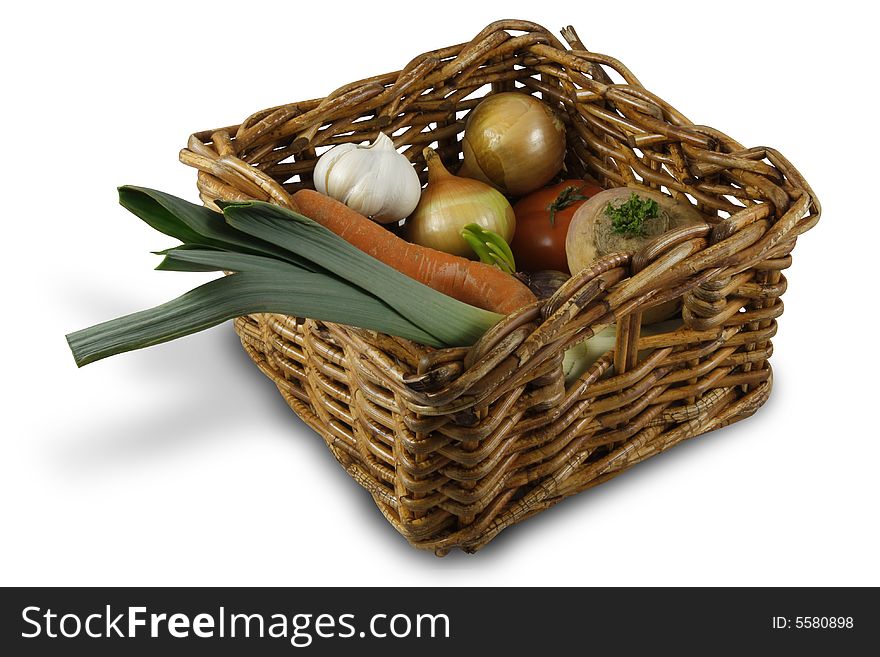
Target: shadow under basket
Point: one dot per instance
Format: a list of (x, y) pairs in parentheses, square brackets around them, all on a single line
[(456, 444)]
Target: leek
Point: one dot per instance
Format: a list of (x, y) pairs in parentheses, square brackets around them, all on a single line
[(282, 262)]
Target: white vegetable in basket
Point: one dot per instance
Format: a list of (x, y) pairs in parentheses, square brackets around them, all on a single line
[(581, 356), (578, 358), (373, 179)]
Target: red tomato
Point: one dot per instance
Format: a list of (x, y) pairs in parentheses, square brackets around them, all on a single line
[(538, 243)]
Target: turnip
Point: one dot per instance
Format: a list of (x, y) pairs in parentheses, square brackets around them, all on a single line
[(622, 219)]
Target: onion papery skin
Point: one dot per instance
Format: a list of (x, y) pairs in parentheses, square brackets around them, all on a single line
[(449, 203), (513, 142)]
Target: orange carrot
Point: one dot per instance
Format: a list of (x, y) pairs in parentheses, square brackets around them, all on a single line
[(475, 283)]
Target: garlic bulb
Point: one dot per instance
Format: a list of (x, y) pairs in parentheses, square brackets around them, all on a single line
[(373, 179)]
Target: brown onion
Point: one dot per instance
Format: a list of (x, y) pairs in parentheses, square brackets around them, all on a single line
[(514, 142), (449, 203)]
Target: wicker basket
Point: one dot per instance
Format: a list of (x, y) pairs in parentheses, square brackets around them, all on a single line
[(454, 445)]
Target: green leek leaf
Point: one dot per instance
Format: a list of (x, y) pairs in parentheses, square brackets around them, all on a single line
[(453, 322), (195, 224), (208, 260), (302, 294)]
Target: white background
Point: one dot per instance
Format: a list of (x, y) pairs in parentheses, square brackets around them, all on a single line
[(180, 464)]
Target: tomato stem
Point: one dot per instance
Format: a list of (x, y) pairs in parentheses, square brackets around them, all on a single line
[(567, 196)]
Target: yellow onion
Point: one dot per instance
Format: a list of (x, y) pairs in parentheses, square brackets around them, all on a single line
[(449, 203), (514, 142)]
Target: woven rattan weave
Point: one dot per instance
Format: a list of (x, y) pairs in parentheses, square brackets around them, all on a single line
[(455, 445)]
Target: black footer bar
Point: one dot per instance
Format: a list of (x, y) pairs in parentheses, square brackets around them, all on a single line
[(431, 621)]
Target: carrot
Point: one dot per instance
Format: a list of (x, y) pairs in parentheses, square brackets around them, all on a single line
[(475, 283)]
